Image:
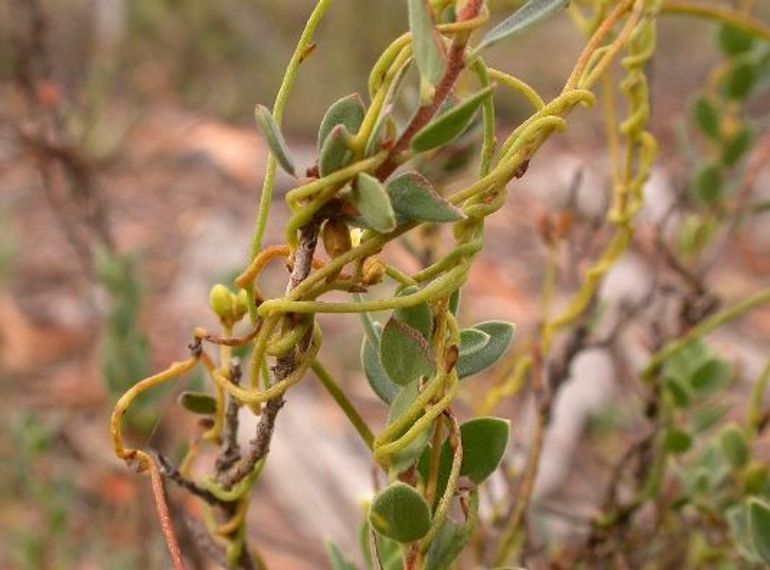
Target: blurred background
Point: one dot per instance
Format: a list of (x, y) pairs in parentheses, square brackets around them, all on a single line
[(129, 178)]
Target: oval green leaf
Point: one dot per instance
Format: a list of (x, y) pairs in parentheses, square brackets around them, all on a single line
[(400, 513), (335, 153), (677, 441), (532, 13), (735, 149), (500, 334), (740, 80), (448, 126), (198, 403), (404, 353), (275, 141), (414, 198), (428, 48), (708, 183), (759, 525), (735, 446), (472, 340), (371, 199), (711, 377), (348, 112), (733, 41), (484, 443), (706, 117)]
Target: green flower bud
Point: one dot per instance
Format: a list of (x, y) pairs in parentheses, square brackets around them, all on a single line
[(240, 304), (221, 302)]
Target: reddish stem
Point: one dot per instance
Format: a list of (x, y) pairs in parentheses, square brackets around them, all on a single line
[(425, 113), (164, 516)]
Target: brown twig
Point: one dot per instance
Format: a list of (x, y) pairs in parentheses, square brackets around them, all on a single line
[(284, 367), (170, 472), (230, 453)]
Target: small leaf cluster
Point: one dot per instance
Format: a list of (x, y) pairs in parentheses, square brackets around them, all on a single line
[(712, 456), (723, 122)]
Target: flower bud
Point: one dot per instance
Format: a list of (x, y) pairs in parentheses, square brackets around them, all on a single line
[(221, 302), (373, 271), (240, 304), (336, 238)]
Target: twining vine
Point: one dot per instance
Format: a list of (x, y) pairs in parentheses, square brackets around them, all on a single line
[(359, 198)]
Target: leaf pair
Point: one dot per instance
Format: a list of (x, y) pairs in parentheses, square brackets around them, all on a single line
[(401, 356), (408, 197), (693, 371), (400, 513), (340, 122), (482, 345)]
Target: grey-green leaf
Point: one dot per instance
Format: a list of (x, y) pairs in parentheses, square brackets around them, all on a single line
[(738, 520), (375, 374), (484, 443), (414, 198), (198, 403), (335, 152), (404, 353), (419, 316), (500, 334), (400, 513), (371, 199), (532, 13), (428, 49), (451, 124), (759, 525), (275, 141), (449, 543), (472, 340), (348, 111)]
